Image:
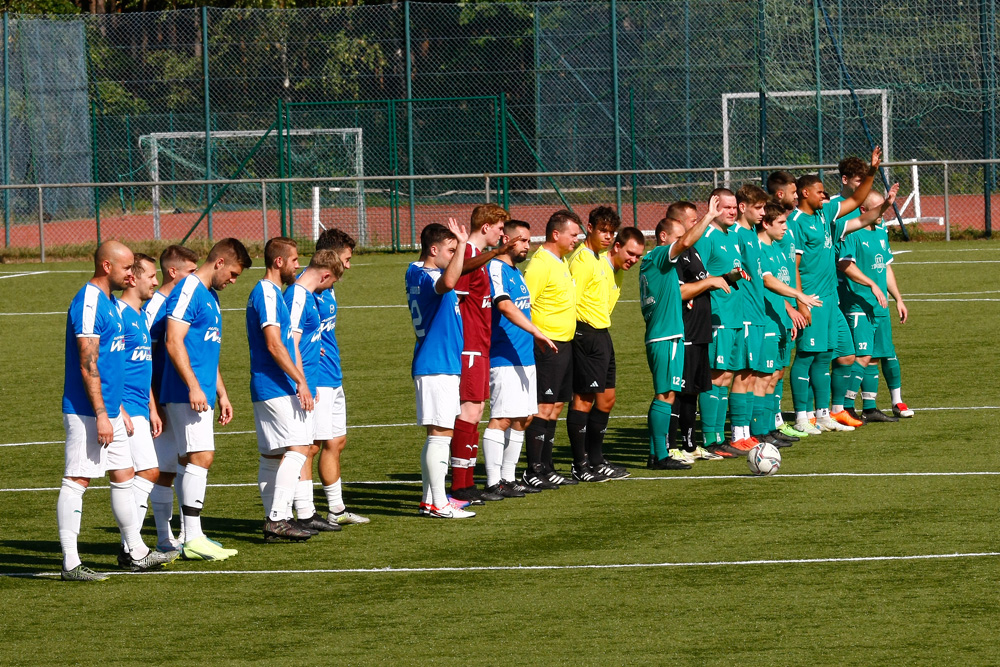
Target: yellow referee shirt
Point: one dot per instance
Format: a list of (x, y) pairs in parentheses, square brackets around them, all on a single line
[(553, 299), (597, 287)]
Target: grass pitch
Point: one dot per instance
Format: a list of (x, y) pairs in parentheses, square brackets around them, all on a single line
[(840, 558)]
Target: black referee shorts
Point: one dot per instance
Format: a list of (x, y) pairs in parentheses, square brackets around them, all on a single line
[(697, 371), (593, 360), (554, 373)]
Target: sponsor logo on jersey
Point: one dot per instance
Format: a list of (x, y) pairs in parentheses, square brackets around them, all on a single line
[(879, 263), (213, 335), (487, 302), (140, 354), (784, 276), (522, 302), (827, 241), (118, 344)]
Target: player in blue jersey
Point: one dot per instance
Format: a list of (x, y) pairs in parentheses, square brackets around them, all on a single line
[(192, 381), (437, 364), (324, 269), (513, 387), (176, 263), (331, 411), (282, 400), (97, 427), (136, 398)]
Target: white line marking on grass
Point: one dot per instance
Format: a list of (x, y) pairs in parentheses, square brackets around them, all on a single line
[(21, 275), (968, 261), (405, 424), (909, 294), (543, 568)]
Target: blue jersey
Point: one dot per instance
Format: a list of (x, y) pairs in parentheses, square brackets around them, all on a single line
[(330, 372), (93, 314), (138, 361), (156, 323), (198, 307), (304, 316), (510, 345), (266, 308), (437, 323)]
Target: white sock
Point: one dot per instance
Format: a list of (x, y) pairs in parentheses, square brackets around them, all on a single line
[(834, 409), (778, 420), (434, 468), (162, 499), (493, 454), (801, 416), (123, 509), (69, 509), (812, 414), (822, 413), (511, 454), (305, 507), (267, 470), (178, 490), (896, 395), (335, 497), (141, 488), (284, 485), (851, 396), (194, 484)]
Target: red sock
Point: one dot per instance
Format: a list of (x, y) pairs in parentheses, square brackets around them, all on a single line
[(463, 441)]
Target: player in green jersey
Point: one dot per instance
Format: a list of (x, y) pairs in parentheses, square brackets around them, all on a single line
[(660, 302)]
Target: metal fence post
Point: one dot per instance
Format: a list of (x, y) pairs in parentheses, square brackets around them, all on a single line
[(538, 84), (208, 111), (503, 149), (6, 130), (409, 124), (128, 144), (947, 206), (486, 187), (281, 166), (263, 206), (987, 90), (631, 129), (762, 83), (41, 224), (96, 172), (616, 111), (819, 88)]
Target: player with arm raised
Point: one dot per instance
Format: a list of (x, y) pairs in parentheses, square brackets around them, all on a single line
[(513, 386), (331, 412), (437, 357), (192, 382), (553, 311), (97, 426), (176, 263)]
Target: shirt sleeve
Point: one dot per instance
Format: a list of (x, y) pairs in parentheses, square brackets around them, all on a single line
[(666, 260), (838, 226), (266, 305), (296, 308), (186, 306), (536, 275), (85, 315), (498, 287)]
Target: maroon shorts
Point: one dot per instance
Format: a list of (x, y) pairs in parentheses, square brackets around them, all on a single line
[(475, 385)]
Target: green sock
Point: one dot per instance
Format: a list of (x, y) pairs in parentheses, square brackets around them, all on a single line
[(800, 380), (708, 403), (853, 385), (869, 387), (763, 420), (840, 376), (779, 391), (893, 376), (775, 408), (720, 417), (739, 409), (658, 422), (819, 378)]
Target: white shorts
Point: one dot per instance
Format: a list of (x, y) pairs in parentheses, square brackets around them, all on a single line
[(513, 392), (166, 452), (86, 458), (330, 415), (437, 399), (189, 431), (281, 422), (141, 445)]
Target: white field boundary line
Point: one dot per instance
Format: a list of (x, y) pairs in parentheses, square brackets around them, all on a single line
[(405, 424), (18, 274), (804, 475), (543, 568)]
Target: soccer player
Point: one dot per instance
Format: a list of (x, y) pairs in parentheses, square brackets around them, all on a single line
[(325, 268), (661, 299), (192, 384), (818, 226), (513, 386), (869, 251), (331, 411), (97, 427), (437, 357), (474, 300), (136, 397), (781, 186), (553, 311), (176, 263), (282, 398)]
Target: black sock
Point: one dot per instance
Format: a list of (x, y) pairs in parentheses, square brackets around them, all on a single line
[(597, 426), (534, 440), (576, 426), (550, 441), (673, 432), (687, 406)]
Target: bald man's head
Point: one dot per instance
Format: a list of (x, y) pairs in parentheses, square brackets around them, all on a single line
[(113, 260), (873, 200)]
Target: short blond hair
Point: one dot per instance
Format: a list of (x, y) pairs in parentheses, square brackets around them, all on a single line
[(328, 260)]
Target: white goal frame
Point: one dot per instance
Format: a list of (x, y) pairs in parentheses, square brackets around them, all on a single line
[(726, 97), (154, 139)]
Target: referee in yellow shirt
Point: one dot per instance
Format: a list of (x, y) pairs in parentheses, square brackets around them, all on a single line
[(553, 311), (597, 274)]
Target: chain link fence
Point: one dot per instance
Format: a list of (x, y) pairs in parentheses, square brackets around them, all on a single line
[(438, 89)]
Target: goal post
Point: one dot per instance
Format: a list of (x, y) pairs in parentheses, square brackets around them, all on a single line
[(729, 98)]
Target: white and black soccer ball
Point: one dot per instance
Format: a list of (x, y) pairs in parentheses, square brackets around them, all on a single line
[(764, 459)]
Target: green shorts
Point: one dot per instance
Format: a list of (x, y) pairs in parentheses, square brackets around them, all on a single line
[(821, 335), (784, 350), (761, 350), (884, 347), (863, 333), (666, 363), (727, 351), (845, 345)]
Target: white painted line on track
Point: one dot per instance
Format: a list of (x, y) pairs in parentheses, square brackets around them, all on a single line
[(543, 568), (405, 424)]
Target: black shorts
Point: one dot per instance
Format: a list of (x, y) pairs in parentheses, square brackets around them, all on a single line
[(593, 360), (554, 373), (697, 372)]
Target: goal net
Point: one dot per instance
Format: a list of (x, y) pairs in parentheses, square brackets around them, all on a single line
[(254, 154)]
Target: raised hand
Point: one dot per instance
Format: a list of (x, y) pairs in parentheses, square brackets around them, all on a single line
[(890, 197), (714, 209), (876, 157), (458, 230)]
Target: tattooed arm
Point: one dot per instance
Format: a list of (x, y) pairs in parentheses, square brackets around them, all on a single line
[(89, 349)]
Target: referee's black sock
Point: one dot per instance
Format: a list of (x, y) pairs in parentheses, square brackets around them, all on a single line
[(686, 407), (576, 426), (550, 441), (597, 426), (534, 440)]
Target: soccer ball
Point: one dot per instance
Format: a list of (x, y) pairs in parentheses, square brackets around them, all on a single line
[(764, 459)]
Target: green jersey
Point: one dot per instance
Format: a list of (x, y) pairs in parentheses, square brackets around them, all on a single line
[(787, 247), (660, 295), (869, 249), (776, 264), (815, 236), (753, 264), (720, 253)]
